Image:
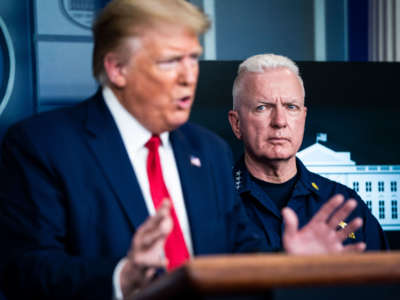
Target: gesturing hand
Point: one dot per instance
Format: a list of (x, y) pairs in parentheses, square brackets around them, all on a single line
[(320, 235), (147, 251)]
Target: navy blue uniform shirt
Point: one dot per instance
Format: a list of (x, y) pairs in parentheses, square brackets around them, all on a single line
[(309, 194)]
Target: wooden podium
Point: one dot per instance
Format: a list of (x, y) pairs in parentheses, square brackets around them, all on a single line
[(261, 273)]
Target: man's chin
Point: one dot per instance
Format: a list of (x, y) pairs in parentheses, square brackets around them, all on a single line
[(177, 122), (278, 158)]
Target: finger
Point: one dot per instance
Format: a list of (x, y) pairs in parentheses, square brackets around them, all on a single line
[(291, 222), (149, 274), (165, 206), (358, 247), (342, 213), (149, 258), (154, 221), (155, 229), (166, 223), (147, 241), (327, 209), (162, 221), (157, 235), (353, 226)]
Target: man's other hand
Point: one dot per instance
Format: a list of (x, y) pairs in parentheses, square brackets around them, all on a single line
[(321, 234)]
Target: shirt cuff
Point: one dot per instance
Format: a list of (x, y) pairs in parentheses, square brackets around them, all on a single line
[(117, 292)]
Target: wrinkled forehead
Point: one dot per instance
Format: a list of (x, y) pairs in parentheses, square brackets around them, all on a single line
[(271, 84)]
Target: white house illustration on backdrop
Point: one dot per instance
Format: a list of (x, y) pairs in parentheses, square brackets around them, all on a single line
[(378, 185)]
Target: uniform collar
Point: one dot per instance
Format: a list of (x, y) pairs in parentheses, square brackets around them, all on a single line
[(244, 184), (305, 185), (241, 176)]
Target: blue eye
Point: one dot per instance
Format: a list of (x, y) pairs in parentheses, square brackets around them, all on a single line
[(260, 107), (292, 107)]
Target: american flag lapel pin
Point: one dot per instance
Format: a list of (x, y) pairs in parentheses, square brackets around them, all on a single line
[(195, 161)]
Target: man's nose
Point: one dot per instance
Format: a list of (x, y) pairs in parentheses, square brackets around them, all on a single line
[(188, 72), (279, 118)]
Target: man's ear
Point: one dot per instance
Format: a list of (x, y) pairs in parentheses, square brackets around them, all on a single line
[(234, 120), (115, 69)]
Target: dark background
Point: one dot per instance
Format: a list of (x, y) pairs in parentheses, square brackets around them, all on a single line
[(356, 103)]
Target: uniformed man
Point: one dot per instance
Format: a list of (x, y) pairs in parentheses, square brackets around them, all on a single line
[(269, 117)]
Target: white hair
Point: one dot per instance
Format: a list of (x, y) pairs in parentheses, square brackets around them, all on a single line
[(259, 64)]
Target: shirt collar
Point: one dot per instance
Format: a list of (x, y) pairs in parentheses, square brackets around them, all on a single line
[(304, 186), (241, 176), (246, 185), (134, 134), (306, 183)]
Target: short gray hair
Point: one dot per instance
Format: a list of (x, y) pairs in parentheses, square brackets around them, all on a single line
[(259, 64)]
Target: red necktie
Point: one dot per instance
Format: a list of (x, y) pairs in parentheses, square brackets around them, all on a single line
[(175, 247)]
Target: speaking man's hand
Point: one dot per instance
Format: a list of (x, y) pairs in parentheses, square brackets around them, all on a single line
[(321, 235), (147, 251)]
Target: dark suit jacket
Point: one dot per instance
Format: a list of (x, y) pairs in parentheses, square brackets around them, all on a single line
[(71, 202)]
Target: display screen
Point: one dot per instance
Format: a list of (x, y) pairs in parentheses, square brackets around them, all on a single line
[(352, 107)]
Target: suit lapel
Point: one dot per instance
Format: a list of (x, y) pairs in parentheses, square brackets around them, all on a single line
[(194, 176), (107, 146)]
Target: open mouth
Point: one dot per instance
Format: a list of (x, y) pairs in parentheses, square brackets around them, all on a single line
[(185, 102)]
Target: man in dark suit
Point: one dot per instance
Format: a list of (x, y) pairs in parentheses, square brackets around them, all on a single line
[(81, 182), (76, 184)]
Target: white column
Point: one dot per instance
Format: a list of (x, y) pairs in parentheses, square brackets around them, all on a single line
[(381, 32), (384, 30), (210, 38), (372, 32), (319, 30), (397, 30), (389, 26)]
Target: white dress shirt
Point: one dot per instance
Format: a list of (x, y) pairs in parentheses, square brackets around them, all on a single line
[(134, 137)]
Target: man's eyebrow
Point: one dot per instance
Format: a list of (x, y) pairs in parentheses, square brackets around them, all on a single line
[(176, 54), (265, 101), (293, 100), (171, 56)]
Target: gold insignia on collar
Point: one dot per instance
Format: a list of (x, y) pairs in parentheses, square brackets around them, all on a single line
[(315, 186), (351, 234)]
